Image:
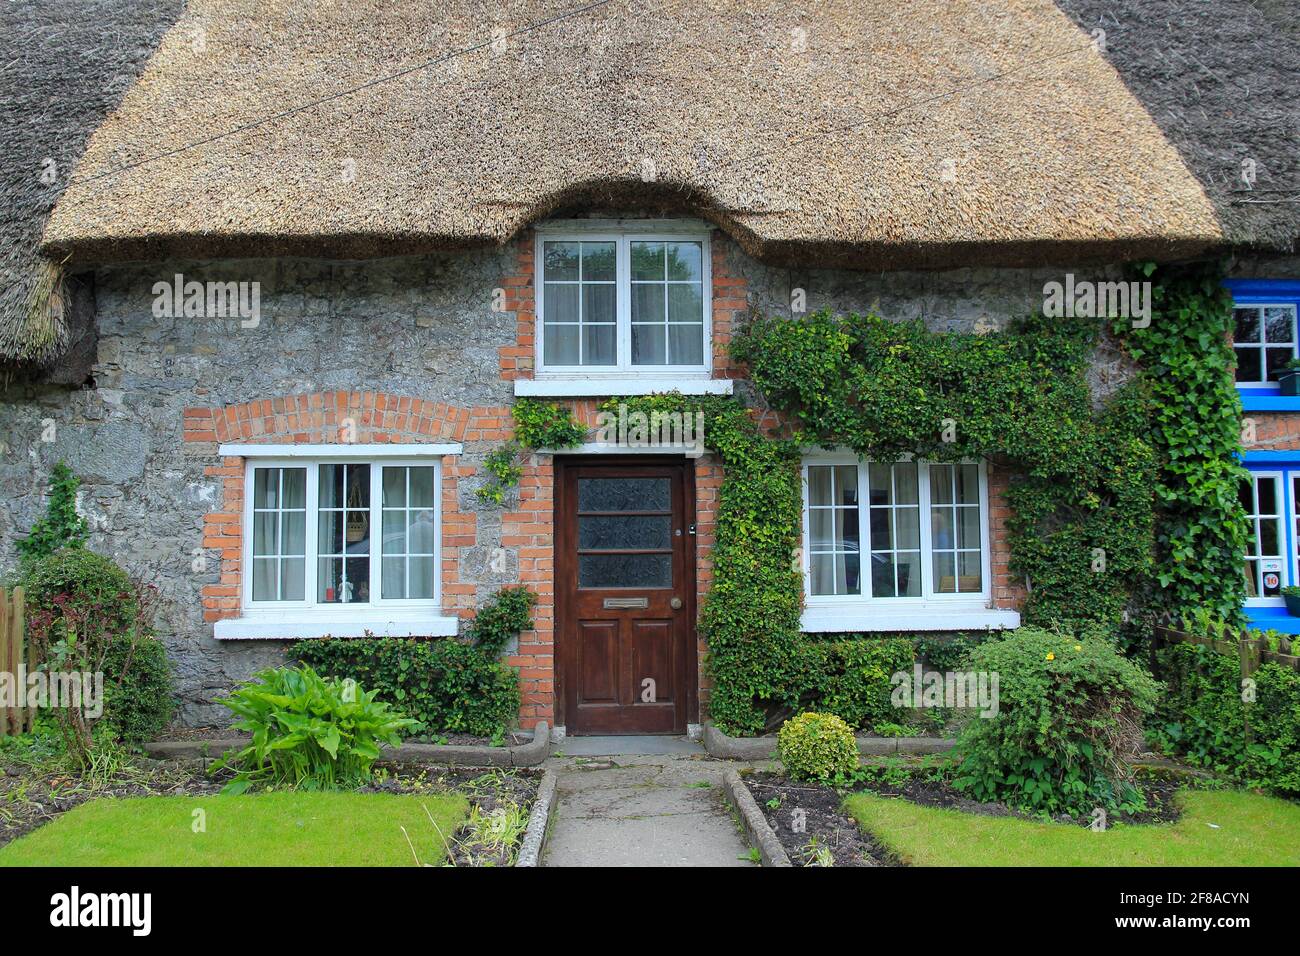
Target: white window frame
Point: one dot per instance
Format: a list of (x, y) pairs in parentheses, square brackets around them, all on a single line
[(623, 233), (1261, 346), (1285, 518), (929, 610), (382, 617)]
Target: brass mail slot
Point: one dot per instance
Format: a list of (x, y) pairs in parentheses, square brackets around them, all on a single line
[(614, 604)]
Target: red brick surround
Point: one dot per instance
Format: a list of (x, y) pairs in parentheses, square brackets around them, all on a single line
[(363, 418)]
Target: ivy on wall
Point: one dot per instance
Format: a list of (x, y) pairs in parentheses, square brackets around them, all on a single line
[(1195, 428), (537, 425), (1082, 490)]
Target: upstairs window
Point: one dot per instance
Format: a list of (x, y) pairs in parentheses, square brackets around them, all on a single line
[(1264, 333), (1264, 339), (623, 303)]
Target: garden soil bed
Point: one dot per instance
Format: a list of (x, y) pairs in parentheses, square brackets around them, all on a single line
[(821, 824), (513, 739), (824, 824), (30, 798), (32, 795)]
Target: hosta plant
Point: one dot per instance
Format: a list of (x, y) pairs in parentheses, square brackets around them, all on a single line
[(309, 732)]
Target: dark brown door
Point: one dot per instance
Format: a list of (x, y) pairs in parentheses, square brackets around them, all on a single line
[(625, 588)]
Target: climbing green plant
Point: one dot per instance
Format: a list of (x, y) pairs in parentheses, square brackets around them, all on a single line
[(537, 425), (1186, 357), (1082, 493), (60, 527)]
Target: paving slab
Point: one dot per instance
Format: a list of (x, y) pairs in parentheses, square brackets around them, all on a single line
[(623, 746), (646, 810)]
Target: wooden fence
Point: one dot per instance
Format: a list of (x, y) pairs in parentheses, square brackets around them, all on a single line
[(16, 659), (1252, 651)]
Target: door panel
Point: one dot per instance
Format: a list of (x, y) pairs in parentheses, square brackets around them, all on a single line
[(625, 596)]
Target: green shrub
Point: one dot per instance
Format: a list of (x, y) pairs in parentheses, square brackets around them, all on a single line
[(508, 612), (86, 614), (1202, 717), (60, 527), (309, 732), (817, 747), (138, 690), (851, 678), (948, 652), (1069, 716), (446, 685)]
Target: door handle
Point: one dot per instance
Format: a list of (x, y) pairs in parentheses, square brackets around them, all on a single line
[(675, 604)]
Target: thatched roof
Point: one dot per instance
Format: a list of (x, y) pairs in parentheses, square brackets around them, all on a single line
[(64, 64), (864, 133), (1222, 79)]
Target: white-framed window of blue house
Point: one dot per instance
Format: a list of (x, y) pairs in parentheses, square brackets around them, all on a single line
[(340, 541), (623, 298), (1265, 335), (1268, 498)]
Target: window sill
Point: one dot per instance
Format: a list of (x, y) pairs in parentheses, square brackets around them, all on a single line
[(1267, 617), (872, 617), (313, 625), (1255, 399), (566, 387)]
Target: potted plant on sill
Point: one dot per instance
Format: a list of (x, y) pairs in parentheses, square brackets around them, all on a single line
[(1291, 594), (1289, 380)]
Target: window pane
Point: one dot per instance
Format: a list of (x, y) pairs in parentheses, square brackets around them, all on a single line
[(624, 494), (421, 574), (265, 538), (598, 532), (293, 579), (647, 303), (905, 488), (1247, 325), (330, 493), (647, 260), (1270, 536), (560, 260), (422, 487), (1279, 324), (686, 345), (968, 484), (820, 535), (561, 302), (394, 488), (393, 578), (598, 304), (968, 528), (560, 345), (421, 532), (1267, 495), (598, 345), (648, 345), (684, 261), (293, 531), (846, 485), (266, 487), (394, 532), (945, 573), (819, 484), (329, 532), (1248, 368), (970, 570), (1276, 360), (264, 575), (685, 304), (597, 262), (625, 570), (294, 487)]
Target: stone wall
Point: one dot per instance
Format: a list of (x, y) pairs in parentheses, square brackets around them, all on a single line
[(422, 328)]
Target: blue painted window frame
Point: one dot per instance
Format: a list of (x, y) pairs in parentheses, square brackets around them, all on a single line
[(1270, 613), (1266, 398)]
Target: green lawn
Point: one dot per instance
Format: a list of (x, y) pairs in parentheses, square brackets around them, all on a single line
[(1248, 830), (273, 829)]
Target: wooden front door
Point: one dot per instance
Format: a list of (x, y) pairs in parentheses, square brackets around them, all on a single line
[(625, 595)]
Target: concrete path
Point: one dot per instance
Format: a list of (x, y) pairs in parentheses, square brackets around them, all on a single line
[(661, 810)]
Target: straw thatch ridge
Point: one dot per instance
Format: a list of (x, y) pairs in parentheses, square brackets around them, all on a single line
[(1222, 79), (790, 128), (64, 64)]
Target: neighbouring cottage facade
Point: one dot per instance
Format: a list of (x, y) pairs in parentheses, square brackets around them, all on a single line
[(310, 467)]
